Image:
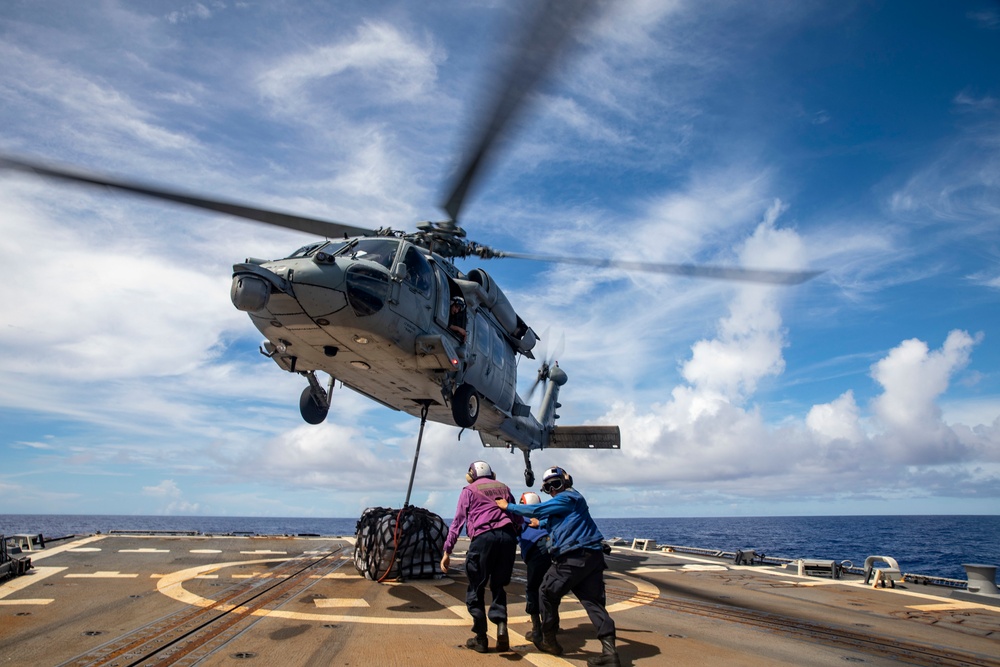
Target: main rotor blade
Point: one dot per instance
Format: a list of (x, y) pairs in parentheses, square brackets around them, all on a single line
[(312, 226), (540, 44), (772, 277)]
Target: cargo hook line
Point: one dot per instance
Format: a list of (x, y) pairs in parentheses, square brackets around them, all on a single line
[(425, 406)]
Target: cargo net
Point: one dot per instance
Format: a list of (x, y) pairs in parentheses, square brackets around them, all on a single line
[(396, 545)]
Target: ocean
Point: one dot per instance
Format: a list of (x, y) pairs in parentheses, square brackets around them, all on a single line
[(935, 546)]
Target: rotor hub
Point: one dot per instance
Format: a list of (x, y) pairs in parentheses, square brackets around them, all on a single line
[(447, 239)]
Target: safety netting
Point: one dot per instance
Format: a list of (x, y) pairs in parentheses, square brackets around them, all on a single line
[(399, 544)]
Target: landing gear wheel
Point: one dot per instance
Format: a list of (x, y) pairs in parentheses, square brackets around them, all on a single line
[(465, 405), (312, 412), (529, 478)]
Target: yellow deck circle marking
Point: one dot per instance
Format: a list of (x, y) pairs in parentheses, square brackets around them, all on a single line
[(172, 585)]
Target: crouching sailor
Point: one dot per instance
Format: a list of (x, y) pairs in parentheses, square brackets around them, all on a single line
[(576, 549), (534, 541)]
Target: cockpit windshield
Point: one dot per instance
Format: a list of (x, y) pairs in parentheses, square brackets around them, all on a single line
[(308, 250), (381, 251)]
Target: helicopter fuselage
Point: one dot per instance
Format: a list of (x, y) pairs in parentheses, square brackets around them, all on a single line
[(373, 313)]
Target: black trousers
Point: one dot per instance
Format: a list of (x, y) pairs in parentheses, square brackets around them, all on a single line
[(537, 563), (489, 562), (580, 572)]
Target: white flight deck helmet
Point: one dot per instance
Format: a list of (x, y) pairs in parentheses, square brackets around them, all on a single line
[(556, 479), (479, 469), (530, 498)]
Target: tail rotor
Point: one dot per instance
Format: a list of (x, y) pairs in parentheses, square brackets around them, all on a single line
[(542, 379), (548, 363)]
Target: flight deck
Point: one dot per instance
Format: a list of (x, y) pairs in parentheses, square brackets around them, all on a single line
[(129, 599)]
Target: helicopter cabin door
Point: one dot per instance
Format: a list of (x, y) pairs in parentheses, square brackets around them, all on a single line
[(493, 370), (413, 294)]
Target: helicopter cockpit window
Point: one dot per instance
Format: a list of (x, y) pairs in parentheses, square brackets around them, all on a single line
[(305, 251), (418, 271), (329, 247), (380, 251), (499, 345)]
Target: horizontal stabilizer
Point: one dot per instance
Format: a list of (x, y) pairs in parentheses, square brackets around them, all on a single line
[(586, 437)]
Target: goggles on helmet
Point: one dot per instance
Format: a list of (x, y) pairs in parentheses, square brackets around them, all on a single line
[(555, 479)]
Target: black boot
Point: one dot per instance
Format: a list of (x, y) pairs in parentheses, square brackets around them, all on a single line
[(536, 628), (503, 640), (546, 643), (608, 656), (479, 643)]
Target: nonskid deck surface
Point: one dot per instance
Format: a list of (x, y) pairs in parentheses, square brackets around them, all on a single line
[(134, 600)]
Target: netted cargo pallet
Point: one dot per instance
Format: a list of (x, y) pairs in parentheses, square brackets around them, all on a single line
[(396, 545)]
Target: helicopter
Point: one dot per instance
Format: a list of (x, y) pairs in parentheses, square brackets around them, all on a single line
[(387, 312)]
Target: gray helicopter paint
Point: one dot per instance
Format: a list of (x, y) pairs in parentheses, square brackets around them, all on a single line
[(403, 355)]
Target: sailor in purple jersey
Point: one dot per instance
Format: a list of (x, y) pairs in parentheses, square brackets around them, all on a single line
[(492, 547)]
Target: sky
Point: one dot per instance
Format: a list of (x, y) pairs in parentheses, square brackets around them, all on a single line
[(857, 138)]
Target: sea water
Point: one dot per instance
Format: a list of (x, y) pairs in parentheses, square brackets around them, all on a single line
[(928, 545)]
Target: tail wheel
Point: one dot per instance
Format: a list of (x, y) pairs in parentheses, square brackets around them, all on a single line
[(465, 405), (312, 411)]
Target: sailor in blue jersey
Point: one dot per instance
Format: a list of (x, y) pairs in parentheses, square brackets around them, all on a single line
[(576, 549)]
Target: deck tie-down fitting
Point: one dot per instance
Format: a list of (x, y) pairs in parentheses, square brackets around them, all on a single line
[(884, 575)]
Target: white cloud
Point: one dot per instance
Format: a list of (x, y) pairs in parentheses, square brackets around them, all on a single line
[(85, 110), (35, 445), (986, 279), (383, 60), (913, 378), (329, 454), (101, 310), (838, 420), (171, 499), (960, 183), (749, 342), (191, 12), (702, 436), (986, 18), (166, 489)]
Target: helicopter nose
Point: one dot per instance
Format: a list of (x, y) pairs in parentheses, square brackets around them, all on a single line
[(249, 293)]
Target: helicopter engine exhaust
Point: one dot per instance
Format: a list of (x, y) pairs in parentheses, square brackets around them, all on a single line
[(249, 293), (495, 300)]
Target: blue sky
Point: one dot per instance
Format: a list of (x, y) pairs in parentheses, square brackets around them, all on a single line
[(862, 138)]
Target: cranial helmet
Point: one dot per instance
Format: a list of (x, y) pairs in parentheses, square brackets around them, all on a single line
[(479, 469), (556, 479), (530, 498), (458, 301)]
